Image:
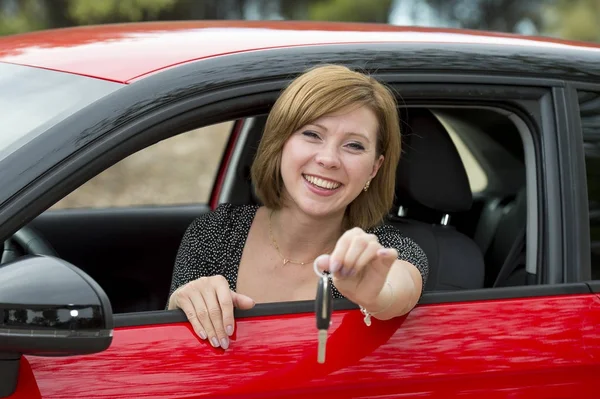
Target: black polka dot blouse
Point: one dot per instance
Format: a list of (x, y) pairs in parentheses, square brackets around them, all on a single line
[(213, 244)]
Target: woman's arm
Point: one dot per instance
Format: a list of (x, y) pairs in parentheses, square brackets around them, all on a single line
[(401, 292), (196, 255), (406, 278)]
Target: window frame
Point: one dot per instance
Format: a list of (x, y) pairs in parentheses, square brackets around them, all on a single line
[(534, 178), (578, 178)]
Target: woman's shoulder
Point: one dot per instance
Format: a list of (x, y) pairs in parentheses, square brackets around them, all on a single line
[(390, 236), (228, 211), (386, 230), (408, 250), (225, 214)]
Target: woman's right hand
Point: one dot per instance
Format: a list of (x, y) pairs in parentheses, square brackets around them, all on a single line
[(208, 304)]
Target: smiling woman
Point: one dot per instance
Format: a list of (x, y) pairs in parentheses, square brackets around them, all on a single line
[(325, 173)]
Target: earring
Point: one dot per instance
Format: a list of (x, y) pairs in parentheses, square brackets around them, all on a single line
[(367, 185)]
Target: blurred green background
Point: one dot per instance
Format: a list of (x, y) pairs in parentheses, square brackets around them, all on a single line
[(570, 19)]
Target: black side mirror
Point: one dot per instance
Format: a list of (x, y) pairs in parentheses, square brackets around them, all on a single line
[(49, 307)]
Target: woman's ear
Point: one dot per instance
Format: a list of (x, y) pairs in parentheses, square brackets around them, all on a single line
[(377, 165)]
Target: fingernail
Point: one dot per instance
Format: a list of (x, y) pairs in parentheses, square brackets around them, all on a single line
[(229, 330), (386, 252), (334, 266), (224, 343), (202, 334), (215, 342)]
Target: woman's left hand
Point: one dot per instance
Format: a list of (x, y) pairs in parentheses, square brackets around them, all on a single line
[(359, 265)]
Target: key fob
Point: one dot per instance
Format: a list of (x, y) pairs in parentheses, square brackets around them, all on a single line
[(323, 303)]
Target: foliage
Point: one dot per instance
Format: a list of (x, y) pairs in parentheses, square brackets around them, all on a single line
[(493, 15), (351, 10), (574, 19), (28, 16), (41, 14), (91, 12)]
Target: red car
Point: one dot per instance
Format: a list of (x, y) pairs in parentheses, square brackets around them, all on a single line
[(498, 183)]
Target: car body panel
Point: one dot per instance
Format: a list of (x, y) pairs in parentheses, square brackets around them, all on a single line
[(124, 52), (27, 387), (516, 348)]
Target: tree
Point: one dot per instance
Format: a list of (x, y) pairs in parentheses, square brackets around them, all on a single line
[(21, 16), (337, 10), (573, 19), (351, 10), (86, 12), (492, 15), (28, 15)]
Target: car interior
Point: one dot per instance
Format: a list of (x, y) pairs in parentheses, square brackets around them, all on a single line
[(472, 240), (470, 225)]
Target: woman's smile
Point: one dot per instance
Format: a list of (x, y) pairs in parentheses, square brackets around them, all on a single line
[(321, 182), (320, 186)]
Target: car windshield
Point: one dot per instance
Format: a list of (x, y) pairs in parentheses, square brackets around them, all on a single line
[(33, 100)]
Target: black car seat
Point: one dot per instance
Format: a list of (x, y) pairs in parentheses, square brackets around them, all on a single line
[(504, 249), (431, 180)]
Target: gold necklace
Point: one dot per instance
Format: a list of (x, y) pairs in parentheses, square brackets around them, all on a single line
[(285, 260)]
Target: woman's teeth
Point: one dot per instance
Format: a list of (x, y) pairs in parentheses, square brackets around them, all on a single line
[(326, 184)]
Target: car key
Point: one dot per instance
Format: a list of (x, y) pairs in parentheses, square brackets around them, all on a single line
[(323, 309)]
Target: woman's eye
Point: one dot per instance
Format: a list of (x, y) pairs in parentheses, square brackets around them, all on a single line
[(356, 146), (310, 134)]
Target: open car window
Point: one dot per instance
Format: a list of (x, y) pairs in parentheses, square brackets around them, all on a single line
[(478, 178), (133, 215), (180, 170)]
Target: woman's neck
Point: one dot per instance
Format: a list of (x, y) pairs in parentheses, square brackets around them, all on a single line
[(301, 237)]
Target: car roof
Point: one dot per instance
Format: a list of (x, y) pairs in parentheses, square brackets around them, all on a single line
[(126, 52)]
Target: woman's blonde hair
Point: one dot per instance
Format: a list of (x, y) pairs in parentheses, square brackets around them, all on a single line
[(318, 92)]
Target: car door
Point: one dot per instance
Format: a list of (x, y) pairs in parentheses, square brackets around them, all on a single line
[(533, 341), (496, 347)]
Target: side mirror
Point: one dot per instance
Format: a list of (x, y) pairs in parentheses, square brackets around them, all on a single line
[(49, 307)]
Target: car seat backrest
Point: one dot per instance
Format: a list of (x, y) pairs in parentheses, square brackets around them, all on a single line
[(431, 179), (508, 236)]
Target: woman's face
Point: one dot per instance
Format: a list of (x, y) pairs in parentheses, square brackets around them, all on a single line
[(326, 164)]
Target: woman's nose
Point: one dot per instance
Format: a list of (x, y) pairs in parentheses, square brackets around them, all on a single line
[(328, 157)]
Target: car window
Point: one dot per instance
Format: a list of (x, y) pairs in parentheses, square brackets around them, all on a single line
[(478, 180), (34, 99), (589, 105), (178, 170), (492, 168)]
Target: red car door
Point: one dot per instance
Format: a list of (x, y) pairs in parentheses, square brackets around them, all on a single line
[(531, 347)]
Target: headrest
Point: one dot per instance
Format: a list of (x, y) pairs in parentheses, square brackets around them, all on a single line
[(430, 171)]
